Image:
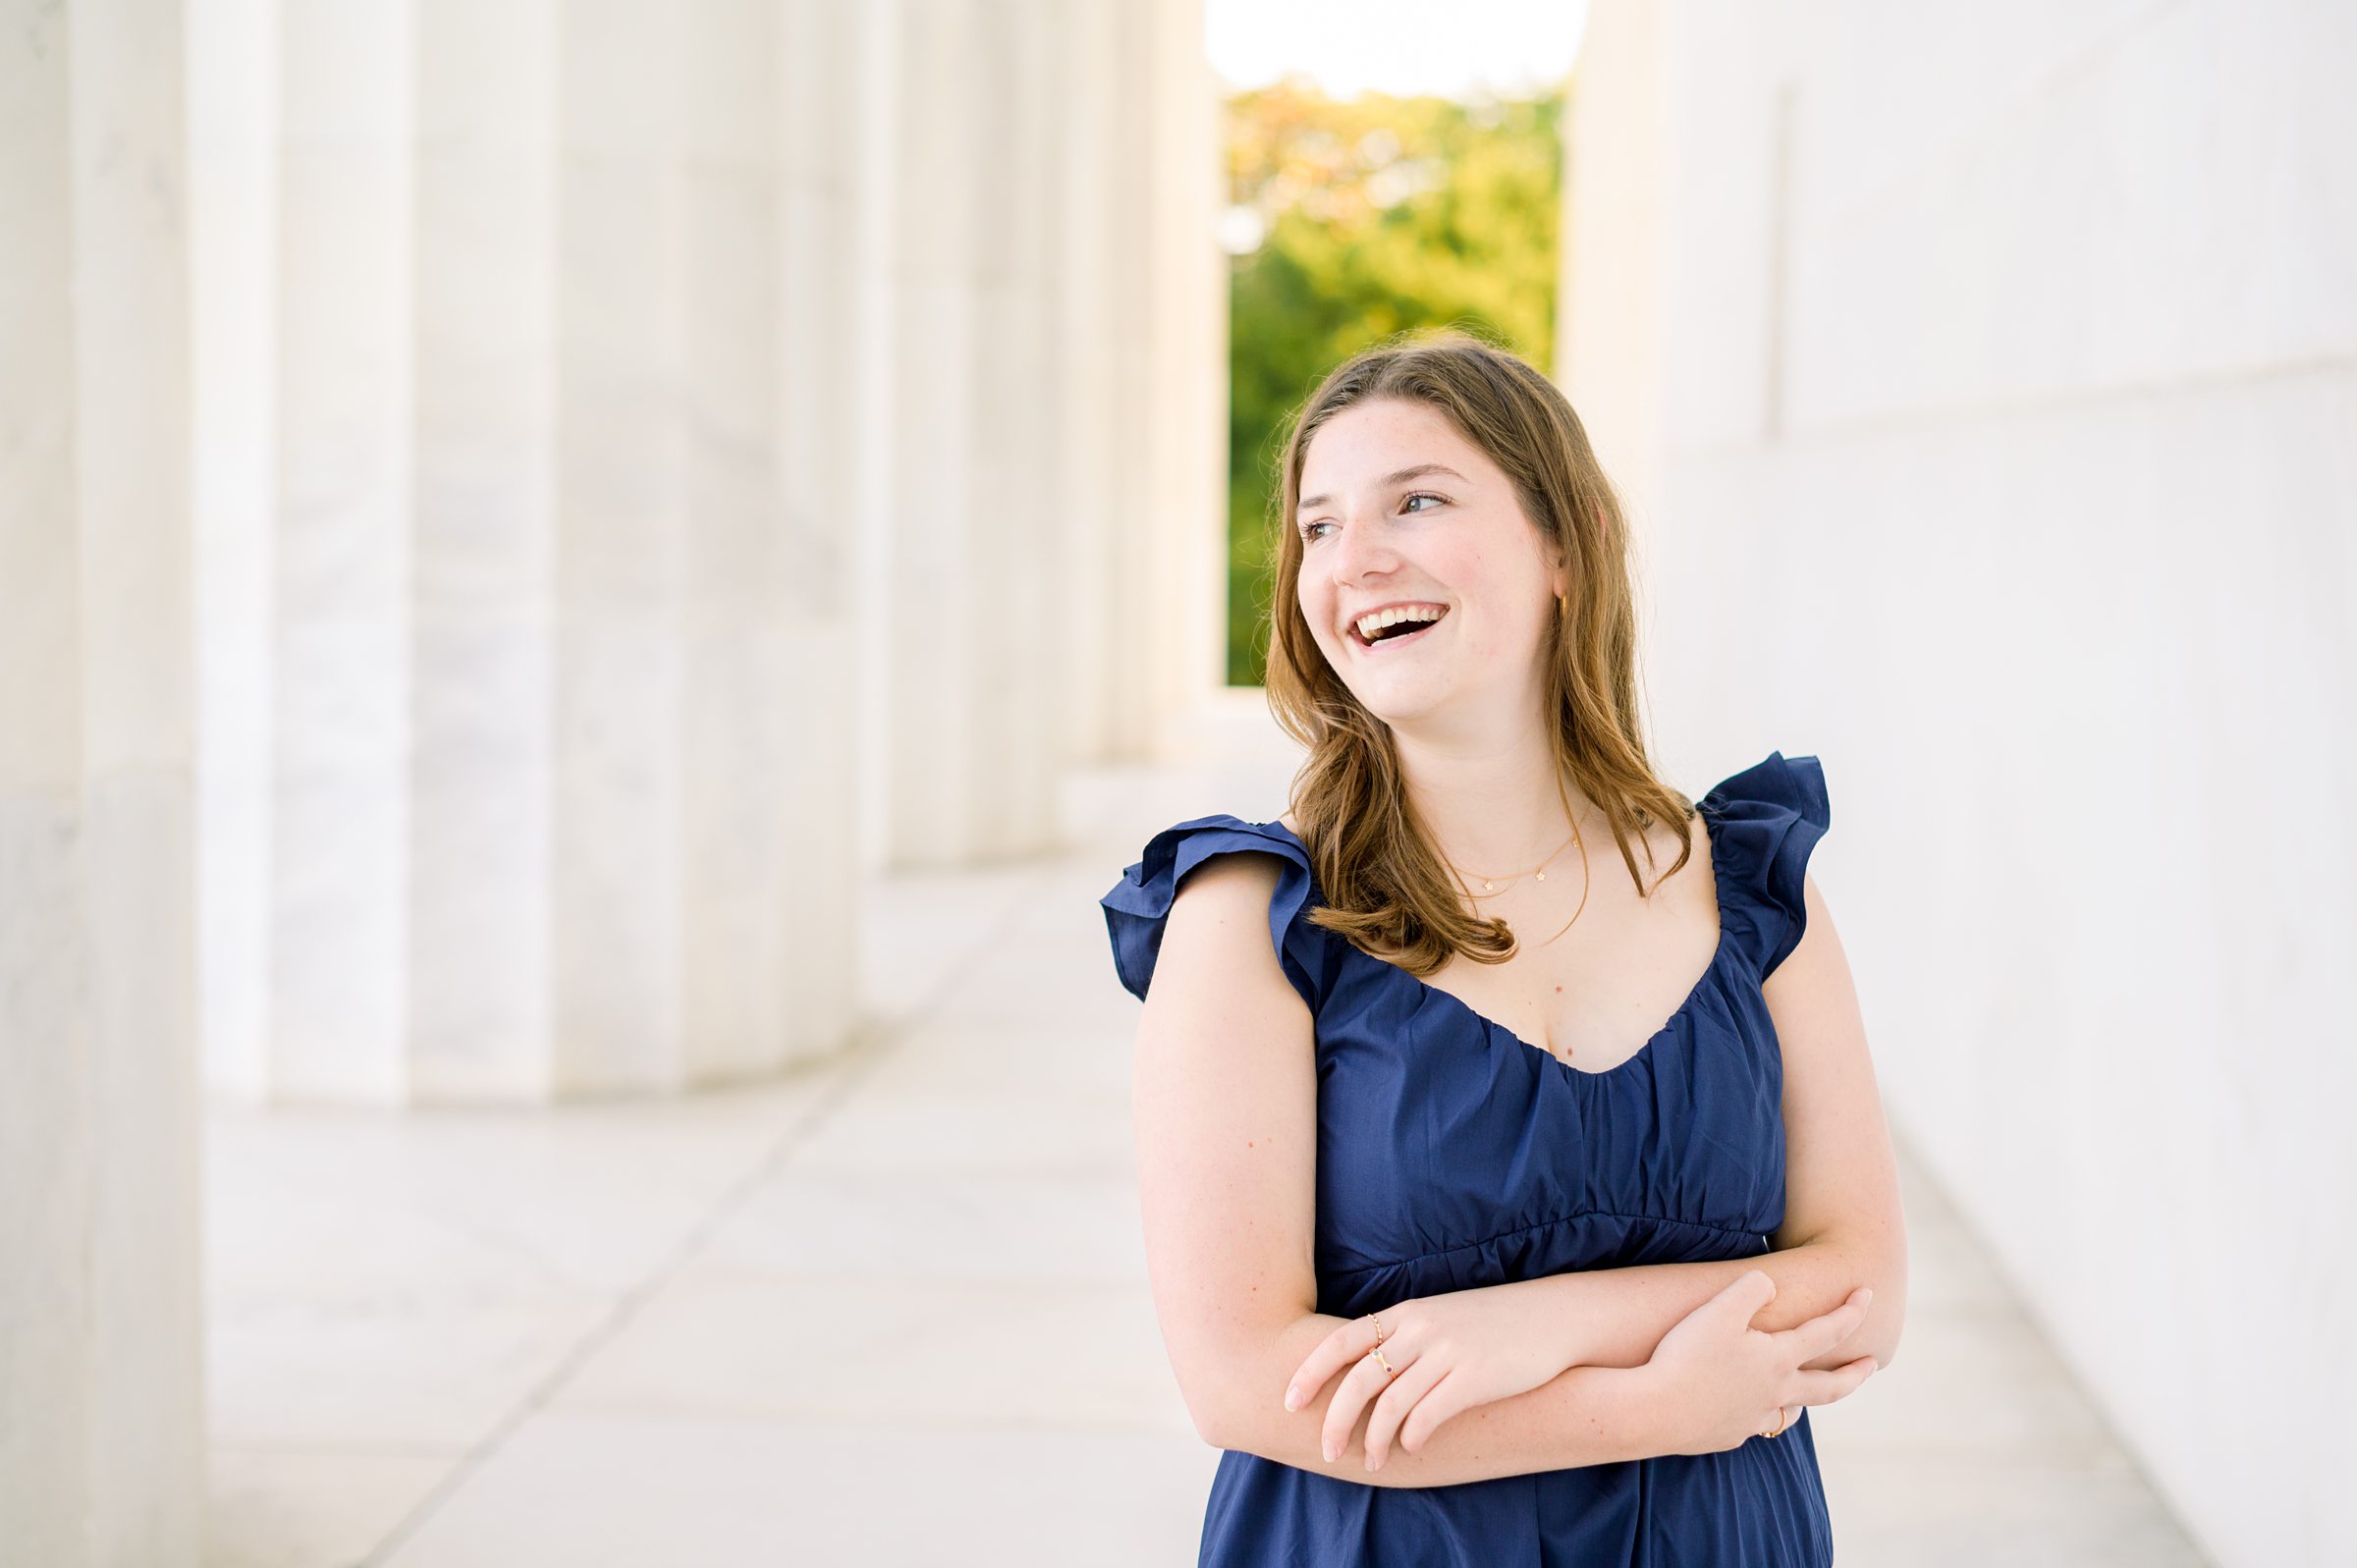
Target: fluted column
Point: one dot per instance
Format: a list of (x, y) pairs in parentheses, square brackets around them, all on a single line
[(1048, 574), (519, 780), (1163, 358), (1087, 335), (100, 1427), (963, 504), (1186, 354)]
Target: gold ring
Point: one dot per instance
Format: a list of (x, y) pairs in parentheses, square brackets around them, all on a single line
[(1390, 1370)]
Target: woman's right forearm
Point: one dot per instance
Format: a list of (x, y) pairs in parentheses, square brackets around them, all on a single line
[(1584, 1416)]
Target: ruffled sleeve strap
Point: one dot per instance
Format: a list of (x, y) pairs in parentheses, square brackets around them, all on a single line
[(1764, 821), (1139, 904)]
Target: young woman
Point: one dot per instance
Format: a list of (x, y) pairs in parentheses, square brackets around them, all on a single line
[(1513, 1170)]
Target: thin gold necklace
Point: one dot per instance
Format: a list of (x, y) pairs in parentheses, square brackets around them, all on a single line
[(1490, 886), (1490, 883)]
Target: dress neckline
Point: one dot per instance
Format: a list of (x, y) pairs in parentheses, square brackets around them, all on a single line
[(1719, 956)]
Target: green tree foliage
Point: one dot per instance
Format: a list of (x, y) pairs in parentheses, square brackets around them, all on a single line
[(1350, 221)]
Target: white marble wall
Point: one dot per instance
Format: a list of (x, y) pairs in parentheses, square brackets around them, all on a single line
[(1986, 380), (99, 1386)]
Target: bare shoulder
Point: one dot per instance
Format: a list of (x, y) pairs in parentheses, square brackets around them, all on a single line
[(1227, 883), (1817, 970), (1217, 935)]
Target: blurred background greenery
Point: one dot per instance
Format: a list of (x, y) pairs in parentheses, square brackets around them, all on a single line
[(1352, 220)]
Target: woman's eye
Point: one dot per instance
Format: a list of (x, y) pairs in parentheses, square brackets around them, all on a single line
[(1309, 531)]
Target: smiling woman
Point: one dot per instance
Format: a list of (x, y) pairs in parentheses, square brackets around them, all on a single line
[(1572, 1228)]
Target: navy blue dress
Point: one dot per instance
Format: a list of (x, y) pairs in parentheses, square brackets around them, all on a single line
[(1452, 1154)]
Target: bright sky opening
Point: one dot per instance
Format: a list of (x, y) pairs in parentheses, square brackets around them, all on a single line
[(1404, 47)]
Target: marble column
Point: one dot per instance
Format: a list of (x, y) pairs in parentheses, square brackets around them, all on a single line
[(956, 590), (100, 1394), (1186, 354), (1089, 344), (1043, 577), (1165, 510), (525, 761), (643, 446)]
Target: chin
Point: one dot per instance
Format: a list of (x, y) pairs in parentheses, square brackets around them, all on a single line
[(1401, 708)]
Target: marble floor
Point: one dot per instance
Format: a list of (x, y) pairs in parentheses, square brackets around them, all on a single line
[(862, 1314)]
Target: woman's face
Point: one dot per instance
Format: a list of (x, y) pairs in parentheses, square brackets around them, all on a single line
[(1399, 508)]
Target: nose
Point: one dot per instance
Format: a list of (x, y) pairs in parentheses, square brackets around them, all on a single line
[(1364, 548)]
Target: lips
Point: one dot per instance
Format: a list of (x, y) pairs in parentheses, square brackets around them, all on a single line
[(1399, 641)]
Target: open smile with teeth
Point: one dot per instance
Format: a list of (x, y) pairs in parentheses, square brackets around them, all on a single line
[(1388, 628)]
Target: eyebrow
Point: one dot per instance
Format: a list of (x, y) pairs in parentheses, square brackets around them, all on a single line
[(1390, 479)]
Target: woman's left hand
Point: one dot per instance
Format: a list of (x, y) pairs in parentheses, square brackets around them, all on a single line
[(1449, 1352)]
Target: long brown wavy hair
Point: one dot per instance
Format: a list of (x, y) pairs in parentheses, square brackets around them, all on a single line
[(1386, 887)]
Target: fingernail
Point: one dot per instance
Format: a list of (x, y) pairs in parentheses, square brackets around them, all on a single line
[(1326, 1449), (1292, 1399), (1370, 1461), (1865, 1297)]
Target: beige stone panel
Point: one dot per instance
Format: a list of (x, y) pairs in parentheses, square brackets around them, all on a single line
[(341, 690), (39, 558), (1014, 675), (1187, 349), (1134, 580), (1142, 298), (621, 425), (48, 1131), (615, 836), (141, 1239), (130, 379), (817, 797), (1091, 613), (820, 344), (479, 978), (924, 600), (100, 1399), (482, 649), (738, 834), (741, 848), (1607, 351), (234, 112)]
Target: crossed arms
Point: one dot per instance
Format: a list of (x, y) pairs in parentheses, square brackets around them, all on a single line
[(1224, 1107)]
